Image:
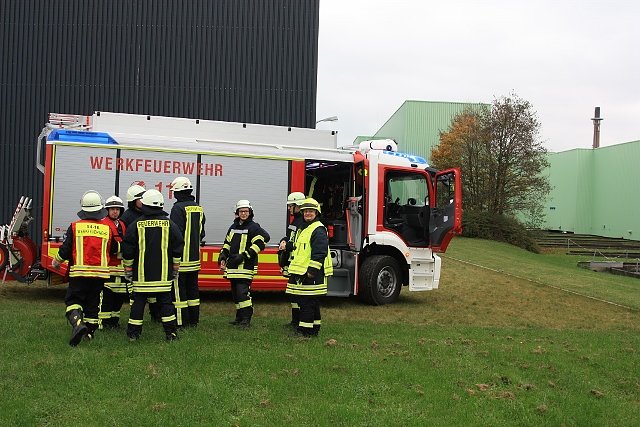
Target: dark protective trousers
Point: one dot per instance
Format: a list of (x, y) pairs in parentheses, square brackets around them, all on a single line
[(165, 307), (240, 292), (111, 304), (83, 294), (186, 299), (310, 319), (295, 309)]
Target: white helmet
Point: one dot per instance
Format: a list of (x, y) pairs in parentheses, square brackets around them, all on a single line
[(181, 183), (91, 201), (153, 198), (135, 192), (242, 204), (114, 202), (295, 198)]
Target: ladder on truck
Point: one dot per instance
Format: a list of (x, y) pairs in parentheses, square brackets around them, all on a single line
[(11, 257)]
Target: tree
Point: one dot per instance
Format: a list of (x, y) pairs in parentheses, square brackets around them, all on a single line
[(501, 157)]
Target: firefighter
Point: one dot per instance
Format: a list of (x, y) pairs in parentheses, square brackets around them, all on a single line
[(239, 259), (190, 219), (133, 212), (87, 246), (115, 291), (285, 248), (309, 268), (151, 251), (134, 204)]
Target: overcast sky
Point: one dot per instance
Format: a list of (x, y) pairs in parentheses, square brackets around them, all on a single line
[(565, 57)]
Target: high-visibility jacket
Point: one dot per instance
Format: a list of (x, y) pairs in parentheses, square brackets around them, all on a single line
[(118, 230), (87, 246), (151, 246), (311, 254), (116, 282), (293, 230), (246, 239), (190, 219)]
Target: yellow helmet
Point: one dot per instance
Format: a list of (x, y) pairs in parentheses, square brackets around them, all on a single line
[(310, 203)]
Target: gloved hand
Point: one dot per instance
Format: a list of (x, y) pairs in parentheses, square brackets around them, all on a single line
[(176, 273), (309, 276), (234, 260), (55, 264), (128, 274)]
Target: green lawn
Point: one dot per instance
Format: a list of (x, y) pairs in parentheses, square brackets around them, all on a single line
[(485, 349)]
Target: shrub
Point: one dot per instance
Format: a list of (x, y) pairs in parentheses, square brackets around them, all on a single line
[(501, 228)]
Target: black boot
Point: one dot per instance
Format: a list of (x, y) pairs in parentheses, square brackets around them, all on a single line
[(245, 314), (79, 327), (111, 323), (194, 315), (244, 323), (237, 319), (91, 331)]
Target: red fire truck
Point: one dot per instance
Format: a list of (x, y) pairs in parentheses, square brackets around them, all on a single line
[(387, 213)]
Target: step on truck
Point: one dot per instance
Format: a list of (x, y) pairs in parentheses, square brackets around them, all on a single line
[(387, 213)]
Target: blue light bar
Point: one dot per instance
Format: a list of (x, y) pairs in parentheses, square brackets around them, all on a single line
[(65, 135), (411, 158)]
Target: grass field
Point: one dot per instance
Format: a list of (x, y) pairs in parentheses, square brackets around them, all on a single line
[(510, 338)]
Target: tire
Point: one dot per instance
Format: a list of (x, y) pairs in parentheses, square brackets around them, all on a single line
[(380, 280)]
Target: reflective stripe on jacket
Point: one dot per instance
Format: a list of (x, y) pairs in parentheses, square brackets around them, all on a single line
[(311, 252), (118, 230), (247, 239), (151, 246), (190, 219), (87, 246)]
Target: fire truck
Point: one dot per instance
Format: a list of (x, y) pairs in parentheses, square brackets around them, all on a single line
[(387, 213)]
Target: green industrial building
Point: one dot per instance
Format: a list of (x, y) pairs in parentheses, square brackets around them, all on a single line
[(592, 189), (416, 125)]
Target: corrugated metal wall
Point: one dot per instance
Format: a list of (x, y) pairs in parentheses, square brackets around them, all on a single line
[(594, 191), (232, 60), (416, 125)]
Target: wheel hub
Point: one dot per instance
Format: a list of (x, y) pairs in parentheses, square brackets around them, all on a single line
[(386, 282)]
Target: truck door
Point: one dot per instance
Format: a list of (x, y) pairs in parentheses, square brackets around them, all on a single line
[(405, 207), (355, 203), (445, 216)]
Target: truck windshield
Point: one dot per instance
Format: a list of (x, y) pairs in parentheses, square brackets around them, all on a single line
[(406, 205)]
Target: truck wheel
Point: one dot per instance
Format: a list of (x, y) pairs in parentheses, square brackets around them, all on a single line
[(380, 280)]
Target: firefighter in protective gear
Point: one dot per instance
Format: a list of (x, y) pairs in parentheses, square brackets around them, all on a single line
[(115, 292), (87, 246), (285, 248), (190, 219), (152, 249), (239, 259), (309, 268), (133, 212), (134, 204)]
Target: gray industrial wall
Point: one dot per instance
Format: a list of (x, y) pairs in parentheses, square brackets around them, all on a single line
[(232, 60)]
